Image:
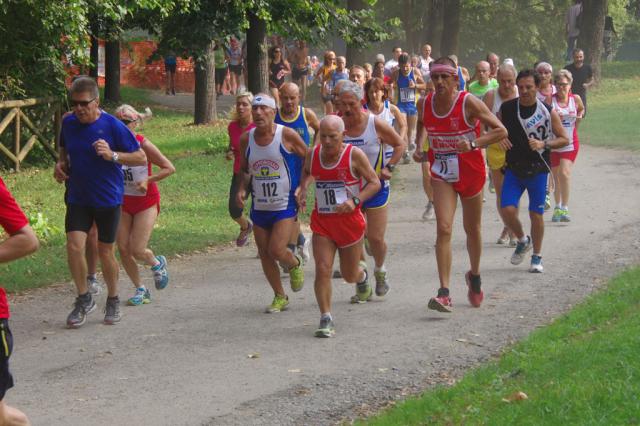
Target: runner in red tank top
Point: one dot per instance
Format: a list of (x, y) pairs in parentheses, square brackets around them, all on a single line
[(337, 221), (452, 122)]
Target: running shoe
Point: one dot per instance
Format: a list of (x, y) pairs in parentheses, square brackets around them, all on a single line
[(536, 264), (513, 242), (557, 214), (547, 202), (429, 213), (440, 304), (564, 217), (303, 251), (382, 286), (243, 236), (504, 237), (326, 328), (520, 251), (412, 146), (405, 158), (363, 289), (474, 293), (296, 275), (367, 247), (141, 297), (94, 286), (81, 309), (279, 304), (160, 273), (112, 311)]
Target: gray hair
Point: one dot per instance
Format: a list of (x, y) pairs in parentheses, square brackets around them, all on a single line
[(85, 84), (350, 87), (563, 74), (506, 67), (333, 121)]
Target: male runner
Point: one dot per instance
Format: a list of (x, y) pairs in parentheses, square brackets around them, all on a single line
[(22, 241), (407, 81), (94, 147), (494, 63), (425, 60), (534, 129), (337, 222), (483, 82), (357, 74), (300, 67), (370, 134), (269, 158), (452, 120), (291, 114), (392, 64)]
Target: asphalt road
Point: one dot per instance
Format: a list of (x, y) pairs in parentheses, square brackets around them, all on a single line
[(184, 359)]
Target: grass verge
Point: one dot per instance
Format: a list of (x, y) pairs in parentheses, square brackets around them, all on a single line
[(582, 369)]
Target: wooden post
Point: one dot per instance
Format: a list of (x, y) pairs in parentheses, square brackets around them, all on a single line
[(16, 135)]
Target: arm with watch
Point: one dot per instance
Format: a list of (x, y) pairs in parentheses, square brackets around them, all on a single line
[(135, 158), (388, 136), (361, 167), (475, 109), (558, 141)]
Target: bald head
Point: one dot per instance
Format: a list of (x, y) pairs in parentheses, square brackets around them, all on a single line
[(332, 123), (482, 72), (289, 88), (331, 133), (289, 99)]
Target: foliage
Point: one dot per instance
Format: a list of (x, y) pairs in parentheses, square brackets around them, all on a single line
[(42, 227)]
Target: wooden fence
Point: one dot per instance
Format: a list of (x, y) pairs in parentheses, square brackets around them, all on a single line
[(34, 127)]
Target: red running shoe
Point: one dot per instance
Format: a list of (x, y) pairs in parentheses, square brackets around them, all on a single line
[(475, 294), (440, 304)]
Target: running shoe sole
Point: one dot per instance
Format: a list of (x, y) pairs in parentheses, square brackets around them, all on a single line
[(80, 324), (437, 306), (325, 333)]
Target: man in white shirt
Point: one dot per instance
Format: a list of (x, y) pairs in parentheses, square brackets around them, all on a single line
[(392, 64)]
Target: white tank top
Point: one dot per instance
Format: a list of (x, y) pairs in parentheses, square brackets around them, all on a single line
[(538, 126), (387, 116), (497, 101), (271, 180), (568, 115), (369, 143)]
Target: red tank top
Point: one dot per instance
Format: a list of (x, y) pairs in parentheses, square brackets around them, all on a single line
[(335, 184), (444, 133)]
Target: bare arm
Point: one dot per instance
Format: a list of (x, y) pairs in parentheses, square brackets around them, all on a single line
[(580, 108), (388, 136), (293, 142), (20, 244), (61, 170), (420, 84), (363, 169), (400, 119), (314, 123), (244, 169), (305, 181), (421, 132), (477, 110), (156, 157)]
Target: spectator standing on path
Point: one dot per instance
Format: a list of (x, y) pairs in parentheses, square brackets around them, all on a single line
[(22, 241), (170, 63), (220, 60), (572, 26), (241, 122), (94, 146), (300, 63), (582, 77), (236, 59)]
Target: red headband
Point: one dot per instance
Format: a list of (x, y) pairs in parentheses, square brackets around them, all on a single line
[(444, 69)]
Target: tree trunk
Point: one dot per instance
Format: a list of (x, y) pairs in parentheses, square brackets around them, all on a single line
[(451, 28), (591, 32), (112, 71), (94, 52), (205, 93), (355, 55), (257, 60), (434, 26)]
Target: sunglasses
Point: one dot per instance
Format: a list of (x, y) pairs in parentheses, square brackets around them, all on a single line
[(83, 104), (562, 84)]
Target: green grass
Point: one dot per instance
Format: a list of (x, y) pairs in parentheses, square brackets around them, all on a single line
[(583, 369)]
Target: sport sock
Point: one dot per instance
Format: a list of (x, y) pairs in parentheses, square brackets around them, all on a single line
[(443, 292), (291, 247), (301, 239), (326, 315), (524, 240), (380, 269)]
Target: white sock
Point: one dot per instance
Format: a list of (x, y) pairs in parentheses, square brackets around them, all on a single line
[(523, 240), (380, 269), (325, 315)]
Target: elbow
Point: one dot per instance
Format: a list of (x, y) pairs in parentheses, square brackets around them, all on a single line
[(141, 158), (171, 169), (503, 134)]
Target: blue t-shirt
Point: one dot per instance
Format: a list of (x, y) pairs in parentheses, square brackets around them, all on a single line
[(94, 181)]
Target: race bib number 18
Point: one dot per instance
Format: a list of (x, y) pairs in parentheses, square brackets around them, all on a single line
[(330, 195), (446, 166)]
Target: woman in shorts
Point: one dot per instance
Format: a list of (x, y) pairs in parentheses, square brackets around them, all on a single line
[(140, 210)]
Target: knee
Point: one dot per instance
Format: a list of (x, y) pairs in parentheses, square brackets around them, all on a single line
[(323, 269), (565, 172), (75, 247), (124, 249), (139, 252), (105, 251), (509, 211), (353, 275), (444, 231), (277, 253)]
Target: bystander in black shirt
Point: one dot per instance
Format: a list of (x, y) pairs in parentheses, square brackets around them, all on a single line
[(580, 77)]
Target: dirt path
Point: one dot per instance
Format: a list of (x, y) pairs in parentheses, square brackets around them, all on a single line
[(183, 360)]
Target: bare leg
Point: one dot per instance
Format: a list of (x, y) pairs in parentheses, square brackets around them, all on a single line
[(444, 202), (498, 178), (272, 247), (126, 253), (110, 267), (426, 180), (510, 216), (10, 416), (472, 219), (91, 250), (537, 231), (376, 228), (565, 180), (76, 242), (324, 251)]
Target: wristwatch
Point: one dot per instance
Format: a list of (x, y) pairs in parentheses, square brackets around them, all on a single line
[(114, 157), (473, 145), (391, 167), (546, 145), (356, 201)]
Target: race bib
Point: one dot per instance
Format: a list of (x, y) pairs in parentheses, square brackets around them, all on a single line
[(329, 195), (269, 195), (446, 166), (132, 177), (407, 94)]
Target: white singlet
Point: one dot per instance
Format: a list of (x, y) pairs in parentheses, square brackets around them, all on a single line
[(387, 116), (133, 175), (369, 143), (568, 115), (538, 126)]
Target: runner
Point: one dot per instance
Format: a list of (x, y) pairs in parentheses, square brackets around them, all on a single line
[(278, 69), (452, 120), (337, 221), (534, 128), (241, 122), (94, 146), (268, 157), (392, 64), (546, 90), (368, 71), (582, 75), (236, 58), (369, 133), (339, 73), (495, 153), (301, 67), (407, 81), (140, 210), (323, 75), (494, 62), (463, 74), (425, 60), (357, 74), (570, 109), (21, 242), (483, 82), (220, 59), (300, 119)]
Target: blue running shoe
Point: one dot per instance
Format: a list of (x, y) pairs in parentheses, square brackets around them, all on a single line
[(521, 249), (160, 273)]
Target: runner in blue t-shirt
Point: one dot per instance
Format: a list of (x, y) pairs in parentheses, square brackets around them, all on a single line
[(94, 146)]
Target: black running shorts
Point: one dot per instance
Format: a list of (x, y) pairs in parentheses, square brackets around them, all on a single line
[(81, 218), (6, 347)]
